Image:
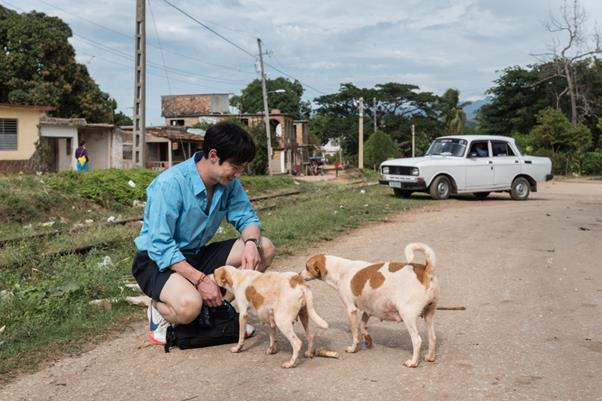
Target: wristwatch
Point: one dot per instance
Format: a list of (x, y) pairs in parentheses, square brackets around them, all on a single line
[(255, 241)]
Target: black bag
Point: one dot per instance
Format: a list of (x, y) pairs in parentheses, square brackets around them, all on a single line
[(214, 326)]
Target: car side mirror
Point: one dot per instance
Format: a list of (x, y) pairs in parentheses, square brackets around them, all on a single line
[(472, 154)]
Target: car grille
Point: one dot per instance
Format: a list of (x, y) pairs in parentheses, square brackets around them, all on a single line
[(400, 170)]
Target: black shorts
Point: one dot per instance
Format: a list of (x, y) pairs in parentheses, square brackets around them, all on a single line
[(207, 259)]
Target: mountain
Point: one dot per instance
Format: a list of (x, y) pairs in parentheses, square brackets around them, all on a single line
[(472, 108)]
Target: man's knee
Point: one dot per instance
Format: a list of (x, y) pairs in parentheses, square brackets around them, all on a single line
[(268, 251), (189, 308)]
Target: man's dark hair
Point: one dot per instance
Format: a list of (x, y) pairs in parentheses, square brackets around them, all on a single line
[(231, 142)]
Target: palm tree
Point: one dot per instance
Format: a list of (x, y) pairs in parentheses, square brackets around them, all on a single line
[(453, 111)]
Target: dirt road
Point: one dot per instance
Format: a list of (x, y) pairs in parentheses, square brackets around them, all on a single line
[(528, 274)]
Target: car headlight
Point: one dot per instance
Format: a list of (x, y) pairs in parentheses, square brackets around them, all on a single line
[(385, 169), (415, 171)]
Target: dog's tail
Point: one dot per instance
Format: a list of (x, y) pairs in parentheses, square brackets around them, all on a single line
[(309, 302), (428, 254)]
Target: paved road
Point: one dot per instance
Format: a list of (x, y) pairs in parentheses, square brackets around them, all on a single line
[(528, 274)]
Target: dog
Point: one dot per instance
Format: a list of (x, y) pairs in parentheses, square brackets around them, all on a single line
[(277, 299), (389, 291)]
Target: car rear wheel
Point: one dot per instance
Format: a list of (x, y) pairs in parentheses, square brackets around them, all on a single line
[(440, 188), (481, 195), (520, 189), (402, 193)]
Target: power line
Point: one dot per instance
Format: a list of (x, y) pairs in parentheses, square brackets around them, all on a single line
[(209, 29), (178, 71), (238, 47), (131, 37), (160, 47)]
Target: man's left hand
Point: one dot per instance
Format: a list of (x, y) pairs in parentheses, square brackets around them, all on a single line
[(250, 257)]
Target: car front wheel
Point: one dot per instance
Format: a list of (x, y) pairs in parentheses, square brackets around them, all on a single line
[(520, 189), (440, 188)]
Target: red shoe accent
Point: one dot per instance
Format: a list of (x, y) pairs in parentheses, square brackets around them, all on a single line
[(153, 340)]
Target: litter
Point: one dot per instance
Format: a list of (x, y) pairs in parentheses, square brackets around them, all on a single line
[(141, 300), (132, 184), (106, 262), (111, 219), (327, 354)]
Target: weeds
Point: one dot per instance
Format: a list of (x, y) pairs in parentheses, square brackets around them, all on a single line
[(45, 291)]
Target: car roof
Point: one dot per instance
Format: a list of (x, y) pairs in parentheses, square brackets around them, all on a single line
[(478, 137)]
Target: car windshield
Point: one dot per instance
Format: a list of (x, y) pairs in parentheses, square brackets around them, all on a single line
[(447, 147)]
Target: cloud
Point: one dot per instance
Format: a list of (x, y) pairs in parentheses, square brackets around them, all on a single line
[(435, 44)]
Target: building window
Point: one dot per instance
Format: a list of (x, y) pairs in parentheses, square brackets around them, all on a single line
[(127, 152), (68, 146), (8, 134), (176, 123)]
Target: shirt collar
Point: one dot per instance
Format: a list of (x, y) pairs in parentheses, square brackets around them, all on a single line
[(197, 183)]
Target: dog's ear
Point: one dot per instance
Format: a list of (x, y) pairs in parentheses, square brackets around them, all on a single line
[(316, 266), (222, 276)]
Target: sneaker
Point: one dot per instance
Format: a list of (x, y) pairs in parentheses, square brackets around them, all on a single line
[(157, 326), (249, 331)]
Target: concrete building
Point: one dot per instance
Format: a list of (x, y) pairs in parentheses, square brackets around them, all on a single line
[(20, 149)]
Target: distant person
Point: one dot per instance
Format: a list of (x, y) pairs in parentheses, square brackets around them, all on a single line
[(185, 206), (82, 158)]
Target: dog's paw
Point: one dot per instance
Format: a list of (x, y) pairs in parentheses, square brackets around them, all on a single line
[(368, 341), (429, 358), (288, 364), (309, 354), (236, 349), (410, 364), (352, 349), (271, 350)]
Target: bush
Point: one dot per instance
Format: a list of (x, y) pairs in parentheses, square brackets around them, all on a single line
[(590, 163), (379, 147), (108, 187)]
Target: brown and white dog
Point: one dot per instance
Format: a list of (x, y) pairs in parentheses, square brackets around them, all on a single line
[(277, 299), (389, 291)]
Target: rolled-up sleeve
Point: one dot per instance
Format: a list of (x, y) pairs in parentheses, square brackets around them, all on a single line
[(240, 211), (163, 211)]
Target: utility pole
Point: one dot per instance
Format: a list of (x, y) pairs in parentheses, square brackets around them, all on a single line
[(374, 111), (360, 153), (266, 112), (413, 141), (139, 112)]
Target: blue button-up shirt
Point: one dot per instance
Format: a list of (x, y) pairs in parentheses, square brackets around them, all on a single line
[(175, 218)]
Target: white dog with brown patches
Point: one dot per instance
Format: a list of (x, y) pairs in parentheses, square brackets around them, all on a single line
[(277, 299), (389, 291)]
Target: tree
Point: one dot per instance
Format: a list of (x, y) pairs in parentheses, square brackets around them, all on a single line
[(515, 101), (378, 148), (289, 101), (453, 112), (555, 133), (571, 22), (37, 66), (397, 106)]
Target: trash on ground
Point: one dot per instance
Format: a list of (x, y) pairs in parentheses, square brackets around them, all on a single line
[(106, 262), (141, 300), (132, 184), (327, 354)]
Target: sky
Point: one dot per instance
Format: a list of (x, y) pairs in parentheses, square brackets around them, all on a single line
[(434, 44)]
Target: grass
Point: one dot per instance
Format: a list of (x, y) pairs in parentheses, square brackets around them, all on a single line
[(45, 291)]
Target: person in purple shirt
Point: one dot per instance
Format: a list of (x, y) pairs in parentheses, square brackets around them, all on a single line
[(185, 207), (81, 157)]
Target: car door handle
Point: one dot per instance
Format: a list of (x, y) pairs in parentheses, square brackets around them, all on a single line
[(490, 162), (516, 161)]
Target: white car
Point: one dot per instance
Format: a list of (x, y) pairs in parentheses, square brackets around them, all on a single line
[(478, 164)]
